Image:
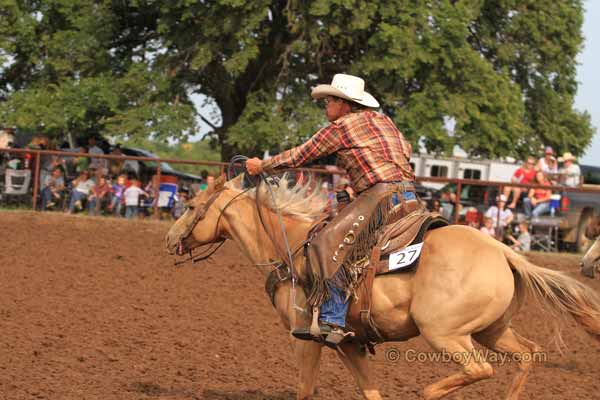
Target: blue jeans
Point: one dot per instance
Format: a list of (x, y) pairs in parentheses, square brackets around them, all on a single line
[(334, 310), (131, 212), (540, 209), (75, 197)]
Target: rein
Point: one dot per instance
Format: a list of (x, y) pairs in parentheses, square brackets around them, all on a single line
[(286, 259)]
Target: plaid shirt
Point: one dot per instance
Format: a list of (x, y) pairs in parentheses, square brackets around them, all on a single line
[(368, 146)]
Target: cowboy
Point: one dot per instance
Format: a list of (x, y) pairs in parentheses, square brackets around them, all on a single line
[(376, 156)]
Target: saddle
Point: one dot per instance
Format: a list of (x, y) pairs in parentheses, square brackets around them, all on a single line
[(403, 232)]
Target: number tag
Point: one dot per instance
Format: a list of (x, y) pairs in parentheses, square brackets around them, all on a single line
[(405, 257)]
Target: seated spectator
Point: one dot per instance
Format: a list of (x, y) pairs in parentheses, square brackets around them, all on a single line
[(547, 164), (524, 175), (116, 201), (132, 199), (538, 200), (99, 196), (179, 205), (570, 173), (500, 215), (80, 192), (52, 189), (523, 242), (488, 227)]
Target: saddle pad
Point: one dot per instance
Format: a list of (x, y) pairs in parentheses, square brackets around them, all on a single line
[(407, 257)]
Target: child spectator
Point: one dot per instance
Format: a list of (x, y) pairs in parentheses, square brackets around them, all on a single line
[(488, 227), (132, 199), (81, 190), (538, 200), (523, 242), (116, 201), (524, 175), (53, 189), (99, 196), (179, 205), (500, 216)]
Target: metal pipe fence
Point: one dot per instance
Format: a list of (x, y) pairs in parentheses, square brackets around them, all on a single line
[(38, 154)]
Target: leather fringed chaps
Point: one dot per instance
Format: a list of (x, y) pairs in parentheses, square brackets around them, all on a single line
[(338, 252)]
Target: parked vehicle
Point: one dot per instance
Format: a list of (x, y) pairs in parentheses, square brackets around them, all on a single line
[(144, 170)]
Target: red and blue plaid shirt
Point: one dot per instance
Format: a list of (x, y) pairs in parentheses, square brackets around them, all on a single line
[(367, 144)]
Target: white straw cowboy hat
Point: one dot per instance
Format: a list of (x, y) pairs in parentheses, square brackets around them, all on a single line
[(347, 87), (567, 157)]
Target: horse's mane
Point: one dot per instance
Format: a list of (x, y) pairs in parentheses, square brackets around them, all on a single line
[(305, 201)]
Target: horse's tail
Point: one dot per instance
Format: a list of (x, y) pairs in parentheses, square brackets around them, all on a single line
[(558, 293)]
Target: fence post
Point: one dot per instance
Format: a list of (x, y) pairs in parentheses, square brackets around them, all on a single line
[(36, 178), (157, 194), (457, 202)]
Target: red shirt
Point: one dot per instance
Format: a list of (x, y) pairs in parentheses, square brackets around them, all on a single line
[(524, 176), (368, 146)]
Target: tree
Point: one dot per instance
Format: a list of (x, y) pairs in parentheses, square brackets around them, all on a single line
[(79, 68), (500, 73)]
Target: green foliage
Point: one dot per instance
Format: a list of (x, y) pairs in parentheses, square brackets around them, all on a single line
[(500, 72)]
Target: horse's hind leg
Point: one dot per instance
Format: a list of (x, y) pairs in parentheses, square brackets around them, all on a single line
[(356, 360), (520, 349), (460, 350)]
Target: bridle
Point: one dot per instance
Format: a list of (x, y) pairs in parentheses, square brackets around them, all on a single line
[(286, 259)]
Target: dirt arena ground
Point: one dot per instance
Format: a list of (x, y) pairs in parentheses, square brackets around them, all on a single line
[(93, 308)]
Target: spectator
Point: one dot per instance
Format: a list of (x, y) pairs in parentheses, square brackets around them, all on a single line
[(538, 200), (523, 242), (82, 163), (115, 165), (52, 189), (204, 176), (98, 164), (99, 196), (447, 200), (547, 164), (500, 216), (570, 172), (132, 199), (116, 201), (81, 190), (524, 175), (436, 206), (179, 205), (488, 227)]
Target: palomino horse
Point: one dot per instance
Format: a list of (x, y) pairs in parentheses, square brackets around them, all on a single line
[(467, 286), (591, 260)]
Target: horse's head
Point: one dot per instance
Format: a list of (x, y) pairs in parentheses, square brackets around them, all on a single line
[(591, 260), (183, 237)]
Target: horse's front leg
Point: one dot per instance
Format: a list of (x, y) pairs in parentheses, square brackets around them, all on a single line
[(356, 360), (308, 355)]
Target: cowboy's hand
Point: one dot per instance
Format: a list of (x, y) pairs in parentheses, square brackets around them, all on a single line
[(254, 166)]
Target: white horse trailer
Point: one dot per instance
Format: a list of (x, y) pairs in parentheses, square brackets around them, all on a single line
[(426, 165)]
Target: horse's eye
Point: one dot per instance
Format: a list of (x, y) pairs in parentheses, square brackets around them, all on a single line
[(190, 207)]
